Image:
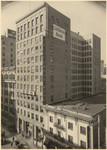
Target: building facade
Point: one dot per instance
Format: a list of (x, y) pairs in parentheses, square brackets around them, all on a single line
[(85, 65), (8, 104), (43, 48), (46, 68), (78, 125), (8, 48)]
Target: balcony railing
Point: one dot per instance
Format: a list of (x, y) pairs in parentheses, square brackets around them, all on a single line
[(59, 126)]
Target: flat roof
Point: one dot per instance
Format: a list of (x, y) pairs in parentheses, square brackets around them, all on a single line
[(84, 109)]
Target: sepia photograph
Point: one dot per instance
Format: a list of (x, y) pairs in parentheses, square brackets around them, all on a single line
[(53, 74)]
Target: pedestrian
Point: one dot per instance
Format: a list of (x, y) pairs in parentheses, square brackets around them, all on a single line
[(11, 144), (13, 139)]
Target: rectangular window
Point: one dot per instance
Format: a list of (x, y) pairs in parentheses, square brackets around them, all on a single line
[(51, 119), (82, 130), (36, 20), (41, 108), (70, 125), (70, 138), (37, 30), (36, 107), (32, 22), (41, 28), (28, 25), (41, 119), (36, 117), (32, 115), (59, 121), (51, 130), (41, 18)]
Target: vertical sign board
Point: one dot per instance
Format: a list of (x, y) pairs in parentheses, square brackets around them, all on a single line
[(58, 32)]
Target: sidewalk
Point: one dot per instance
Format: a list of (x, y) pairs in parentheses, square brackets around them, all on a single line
[(27, 141)]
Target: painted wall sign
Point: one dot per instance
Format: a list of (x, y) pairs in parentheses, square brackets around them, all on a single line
[(58, 32)]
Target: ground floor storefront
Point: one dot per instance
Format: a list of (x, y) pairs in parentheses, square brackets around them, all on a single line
[(30, 130)]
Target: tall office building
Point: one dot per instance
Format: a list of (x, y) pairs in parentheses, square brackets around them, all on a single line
[(42, 65), (48, 68), (85, 65), (8, 48)]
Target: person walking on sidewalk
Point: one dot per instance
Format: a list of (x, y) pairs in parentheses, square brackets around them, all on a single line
[(13, 139), (11, 144)]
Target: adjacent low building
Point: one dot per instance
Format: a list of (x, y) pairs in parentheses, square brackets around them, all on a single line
[(79, 124), (8, 105)]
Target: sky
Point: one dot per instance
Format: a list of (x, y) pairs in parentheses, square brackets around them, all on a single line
[(86, 16)]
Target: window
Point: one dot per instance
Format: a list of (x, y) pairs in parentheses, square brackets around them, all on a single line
[(37, 30), (24, 113), (41, 28), (32, 32), (21, 28), (36, 117), (28, 51), (28, 114), (32, 59), (24, 26), (70, 138), (41, 108), (28, 33), (51, 130), (41, 68), (36, 107), (59, 133), (52, 19), (51, 119), (82, 130), (41, 18), (36, 39), (41, 58), (28, 105), (32, 115), (36, 68), (36, 59), (41, 78), (83, 144), (59, 121), (41, 119), (36, 48), (36, 20), (32, 22), (28, 25)]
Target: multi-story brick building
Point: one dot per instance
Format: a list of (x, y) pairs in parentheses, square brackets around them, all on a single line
[(85, 65), (8, 48), (44, 74), (42, 67), (8, 104), (76, 124)]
